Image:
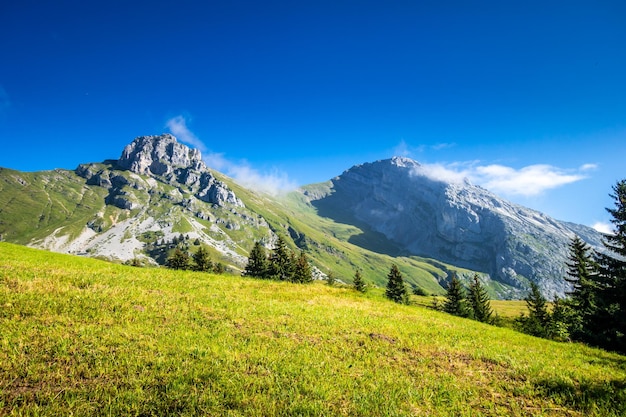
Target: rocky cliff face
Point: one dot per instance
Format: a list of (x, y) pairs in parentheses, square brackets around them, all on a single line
[(457, 223), (166, 160)]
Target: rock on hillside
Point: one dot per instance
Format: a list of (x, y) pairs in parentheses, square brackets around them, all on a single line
[(458, 223)]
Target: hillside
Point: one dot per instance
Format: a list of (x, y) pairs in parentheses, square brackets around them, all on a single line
[(85, 337)]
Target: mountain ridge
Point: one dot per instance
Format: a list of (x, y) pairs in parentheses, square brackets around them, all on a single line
[(160, 189), (456, 222)]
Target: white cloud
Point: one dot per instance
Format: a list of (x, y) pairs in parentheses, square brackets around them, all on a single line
[(178, 126), (528, 181), (444, 173), (274, 182), (603, 227), (588, 167), (402, 149)]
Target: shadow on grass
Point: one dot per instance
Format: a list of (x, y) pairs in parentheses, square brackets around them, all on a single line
[(608, 396)]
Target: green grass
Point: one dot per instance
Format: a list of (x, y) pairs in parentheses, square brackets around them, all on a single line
[(85, 337)]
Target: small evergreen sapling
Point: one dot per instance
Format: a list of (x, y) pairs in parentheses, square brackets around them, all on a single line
[(330, 278), (258, 265), (281, 261), (479, 301), (178, 260), (201, 260), (538, 320), (358, 282), (455, 299), (302, 270), (396, 290)]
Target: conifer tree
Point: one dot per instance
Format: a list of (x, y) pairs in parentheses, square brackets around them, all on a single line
[(281, 261), (219, 268), (609, 321), (330, 278), (202, 261), (455, 298), (538, 321), (582, 301), (302, 270), (396, 291), (258, 264), (479, 301), (358, 283), (178, 260)]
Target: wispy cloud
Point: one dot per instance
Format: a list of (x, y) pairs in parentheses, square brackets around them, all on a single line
[(178, 126), (603, 227), (528, 181), (275, 182), (402, 149)]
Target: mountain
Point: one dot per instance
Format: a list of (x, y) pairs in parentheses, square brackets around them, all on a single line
[(454, 222), (139, 206), (159, 192)]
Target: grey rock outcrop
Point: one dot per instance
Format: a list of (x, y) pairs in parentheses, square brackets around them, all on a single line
[(160, 156), (458, 223), (163, 157)]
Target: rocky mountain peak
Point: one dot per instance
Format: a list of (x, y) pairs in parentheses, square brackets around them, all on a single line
[(159, 155), (426, 214), (168, 161), (404, 162)]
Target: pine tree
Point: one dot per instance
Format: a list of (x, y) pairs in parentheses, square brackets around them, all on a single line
[(330, 278), (178, 260), (219, 268), (358, 283), (582, 301), (455, 298), (479, 301), (202, 261), (302, 270), (281, 261), (258, 264), (538, 320), (609, 321), (561, 319), (396, 291)]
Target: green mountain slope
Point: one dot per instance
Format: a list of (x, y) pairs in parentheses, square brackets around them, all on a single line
[(66, 212), (85, 337), (137, 208), (33, 205)]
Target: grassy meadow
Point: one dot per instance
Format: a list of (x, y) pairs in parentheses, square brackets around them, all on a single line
[(89, 338)]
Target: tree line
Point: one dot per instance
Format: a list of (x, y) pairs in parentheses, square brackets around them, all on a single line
[(280, 264), (594, 311)]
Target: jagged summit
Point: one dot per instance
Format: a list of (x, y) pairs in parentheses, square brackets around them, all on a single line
[(404, 162), (159, 155)]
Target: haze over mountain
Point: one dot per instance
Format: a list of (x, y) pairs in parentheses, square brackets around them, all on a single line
[(370, 216)]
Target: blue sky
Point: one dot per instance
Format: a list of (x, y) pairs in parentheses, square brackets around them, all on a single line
[(527, 99)]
